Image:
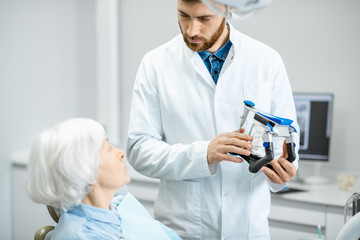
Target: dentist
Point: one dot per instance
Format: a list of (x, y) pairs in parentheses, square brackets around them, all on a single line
[(186, 107)]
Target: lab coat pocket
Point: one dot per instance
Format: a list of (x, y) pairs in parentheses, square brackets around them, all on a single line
[(178, 206)]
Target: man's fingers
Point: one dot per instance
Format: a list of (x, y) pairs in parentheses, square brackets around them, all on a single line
[(285, 154), (281, 172), (271, 175), (288, 167), (232, 142), (242, 130), (237, 150), (234, 159), (239, 135), (238, 143)]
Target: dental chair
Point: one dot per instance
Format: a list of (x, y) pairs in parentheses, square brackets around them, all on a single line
[(44, 233)]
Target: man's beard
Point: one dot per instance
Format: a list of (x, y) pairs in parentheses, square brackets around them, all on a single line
[(206, 44)]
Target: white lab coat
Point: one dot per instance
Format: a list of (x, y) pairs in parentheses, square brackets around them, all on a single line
[(177, 110)]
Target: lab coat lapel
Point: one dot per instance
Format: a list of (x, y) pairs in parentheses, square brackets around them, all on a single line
[(199, 66)]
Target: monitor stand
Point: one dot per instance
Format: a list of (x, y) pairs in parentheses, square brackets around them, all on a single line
[(317, 178)]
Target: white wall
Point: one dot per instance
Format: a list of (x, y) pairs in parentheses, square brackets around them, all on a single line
[(144, 25), (47, 74), (318, 40)]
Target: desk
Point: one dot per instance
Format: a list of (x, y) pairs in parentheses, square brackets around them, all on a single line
[(297, 214)]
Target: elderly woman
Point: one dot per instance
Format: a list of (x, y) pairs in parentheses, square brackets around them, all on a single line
[(74, 168)]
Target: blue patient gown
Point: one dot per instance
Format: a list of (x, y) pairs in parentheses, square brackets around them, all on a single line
[(127, 219)]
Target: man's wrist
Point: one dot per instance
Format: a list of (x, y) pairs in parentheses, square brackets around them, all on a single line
[(213, 168)]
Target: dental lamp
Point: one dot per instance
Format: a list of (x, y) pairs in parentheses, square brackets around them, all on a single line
[(236, 8)]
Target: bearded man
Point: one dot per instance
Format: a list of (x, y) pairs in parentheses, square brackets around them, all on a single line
[(185, 114)]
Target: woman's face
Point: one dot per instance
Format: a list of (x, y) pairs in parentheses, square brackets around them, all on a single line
[(112, 170)]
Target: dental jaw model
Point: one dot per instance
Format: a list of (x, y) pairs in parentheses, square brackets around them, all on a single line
[(264, 128)]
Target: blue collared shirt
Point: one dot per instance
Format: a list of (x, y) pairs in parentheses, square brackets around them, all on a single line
[(127, 219), (215, 61)]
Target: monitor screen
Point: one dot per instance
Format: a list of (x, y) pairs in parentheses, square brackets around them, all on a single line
[(314, 114)]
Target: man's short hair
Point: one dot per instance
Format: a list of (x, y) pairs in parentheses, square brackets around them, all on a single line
[(191, 1)]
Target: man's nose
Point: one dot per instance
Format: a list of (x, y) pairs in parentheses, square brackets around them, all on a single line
[(193, 29)]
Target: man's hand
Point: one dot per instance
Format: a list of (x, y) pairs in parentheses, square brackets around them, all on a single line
[(283, 169), (234, 142)]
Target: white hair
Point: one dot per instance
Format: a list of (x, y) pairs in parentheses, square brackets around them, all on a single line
[(64, 162)]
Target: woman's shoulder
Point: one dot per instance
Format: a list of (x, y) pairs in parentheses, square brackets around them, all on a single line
[(69, 227), (74, 227)]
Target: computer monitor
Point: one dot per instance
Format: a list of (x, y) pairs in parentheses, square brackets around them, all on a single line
[(314, 114)]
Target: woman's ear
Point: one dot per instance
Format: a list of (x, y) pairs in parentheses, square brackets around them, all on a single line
[(92, 186)]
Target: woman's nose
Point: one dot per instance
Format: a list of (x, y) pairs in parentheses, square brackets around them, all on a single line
[(121, 154)]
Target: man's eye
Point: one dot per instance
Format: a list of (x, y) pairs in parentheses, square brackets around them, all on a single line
[(205, 19)]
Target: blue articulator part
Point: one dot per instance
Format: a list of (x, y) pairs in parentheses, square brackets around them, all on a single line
[(278, 120)]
